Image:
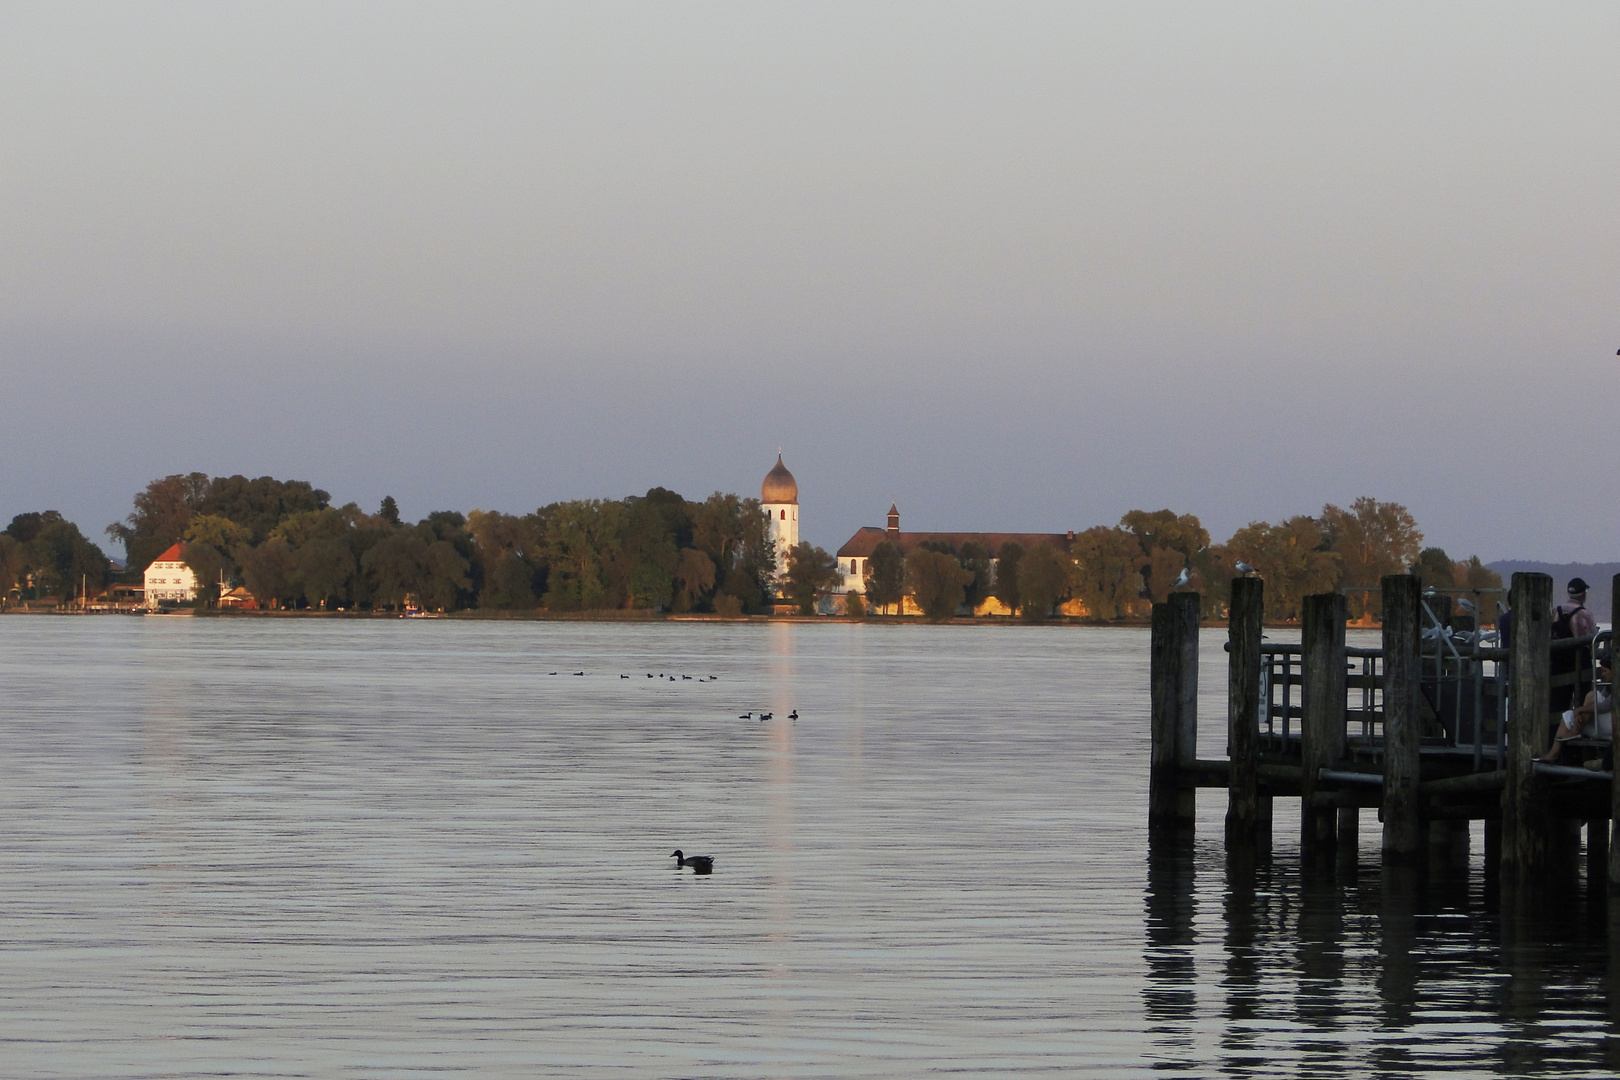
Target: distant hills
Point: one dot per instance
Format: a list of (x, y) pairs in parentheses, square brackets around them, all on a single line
[(1598, 578)]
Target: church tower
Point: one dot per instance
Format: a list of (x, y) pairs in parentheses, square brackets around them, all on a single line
[(779, 498)]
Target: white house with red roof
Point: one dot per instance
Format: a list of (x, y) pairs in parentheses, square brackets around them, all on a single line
[(169, 578)]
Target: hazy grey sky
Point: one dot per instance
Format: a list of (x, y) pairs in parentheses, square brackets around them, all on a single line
[(1014, 266)]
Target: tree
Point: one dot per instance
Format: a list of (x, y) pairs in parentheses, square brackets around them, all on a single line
[(885, 575), (1044, 575), (209, 545), (937, 582), (324, 566), (975, 559), (1006, 583), (389, 510), (13, 565), (811, 573), (1434, 569), (394, 567), (1164, 529), (1293, 558), (160, 517), (854, 607), (268, 572), (1371, 539), (1108, 575), (63, 562), (444, 576), (694, 577)]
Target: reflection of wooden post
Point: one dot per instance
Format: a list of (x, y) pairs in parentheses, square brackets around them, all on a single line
[(1403, 833), (1322, 726), (1614, 786), (1243, 709), (1524, 826)]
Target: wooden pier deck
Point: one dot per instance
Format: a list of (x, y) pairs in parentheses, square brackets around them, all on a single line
[(1433, 730)]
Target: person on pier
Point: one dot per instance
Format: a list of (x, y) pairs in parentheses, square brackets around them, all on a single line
[(1592, 719), (1571, 619)]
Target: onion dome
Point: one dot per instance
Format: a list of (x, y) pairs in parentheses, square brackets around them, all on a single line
[(779, 485)]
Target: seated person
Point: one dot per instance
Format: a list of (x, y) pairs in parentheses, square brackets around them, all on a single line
[(1591, 719)]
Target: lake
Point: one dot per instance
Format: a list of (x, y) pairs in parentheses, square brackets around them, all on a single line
[(305, 847)]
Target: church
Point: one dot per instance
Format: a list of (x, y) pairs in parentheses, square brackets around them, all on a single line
[(779, 498)]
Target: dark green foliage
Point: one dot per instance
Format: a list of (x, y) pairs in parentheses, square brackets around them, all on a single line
[(1044, 575), (936, 581), (51, 551), (975, 559), (811, 573), (389, 511), (1006, 583), (885, 575)]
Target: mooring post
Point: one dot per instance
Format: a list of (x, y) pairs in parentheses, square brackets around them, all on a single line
[(1322, 726), (1245, 618), (1172, 794), (1524, 813), (1163, 656), (1185, 611), (1614, 785), (1404, 840)]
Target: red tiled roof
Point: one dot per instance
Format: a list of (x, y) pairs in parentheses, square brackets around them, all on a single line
[(868, 537), (171, 555)]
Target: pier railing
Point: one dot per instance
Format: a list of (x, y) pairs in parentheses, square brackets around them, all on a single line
[(1437, 726)]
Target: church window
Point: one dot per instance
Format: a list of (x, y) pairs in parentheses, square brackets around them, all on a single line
[(784, 515)]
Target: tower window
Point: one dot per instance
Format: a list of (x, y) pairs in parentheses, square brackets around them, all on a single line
[(784, 515)]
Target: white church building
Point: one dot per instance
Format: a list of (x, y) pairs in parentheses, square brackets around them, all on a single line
[(779, 498)]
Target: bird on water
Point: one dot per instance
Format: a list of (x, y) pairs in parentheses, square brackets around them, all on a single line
[(794, 715), (700, 864), (749, 715)]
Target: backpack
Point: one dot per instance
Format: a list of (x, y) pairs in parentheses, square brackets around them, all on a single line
[(1564, 625)]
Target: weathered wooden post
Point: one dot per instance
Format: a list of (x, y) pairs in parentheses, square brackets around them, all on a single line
[(1404, 839), (1322, 725), (1172, 792), (1524, 815), (1614, 791), (1243, 710)]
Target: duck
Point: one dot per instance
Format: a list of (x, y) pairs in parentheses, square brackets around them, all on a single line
[(794, 715), (766, 715), (749, 715), (700, 864)]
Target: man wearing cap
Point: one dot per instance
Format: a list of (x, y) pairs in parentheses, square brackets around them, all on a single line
[(1571, 620)]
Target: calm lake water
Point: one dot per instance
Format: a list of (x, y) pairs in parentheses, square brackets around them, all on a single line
[(401, 849)]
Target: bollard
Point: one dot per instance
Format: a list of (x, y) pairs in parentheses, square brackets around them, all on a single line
[(1403, 828), (1243, 711), (1322, 724)]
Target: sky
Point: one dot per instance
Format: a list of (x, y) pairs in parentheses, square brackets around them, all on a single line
[(1015, 267)]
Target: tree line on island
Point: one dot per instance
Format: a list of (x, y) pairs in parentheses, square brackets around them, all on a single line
[(290, 548)]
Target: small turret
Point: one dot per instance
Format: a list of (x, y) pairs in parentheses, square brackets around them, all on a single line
[(894, 519)]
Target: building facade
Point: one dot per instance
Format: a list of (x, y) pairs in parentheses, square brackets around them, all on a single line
[(169, 578), (857, 550), (779, 498)]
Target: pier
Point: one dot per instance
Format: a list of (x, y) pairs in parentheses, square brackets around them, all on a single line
[(1434, 729)]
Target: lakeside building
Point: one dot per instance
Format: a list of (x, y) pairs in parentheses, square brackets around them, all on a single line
[(779, 498), (169, 578), (853, 556)]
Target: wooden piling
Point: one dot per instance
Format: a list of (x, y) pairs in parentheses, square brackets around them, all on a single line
[(1322, 725), (1172, 792), (1404, 839), (1614, 785), (1245, 617), (1524, 811)]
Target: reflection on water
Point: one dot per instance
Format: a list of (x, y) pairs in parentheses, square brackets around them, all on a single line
[(267, 848)]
